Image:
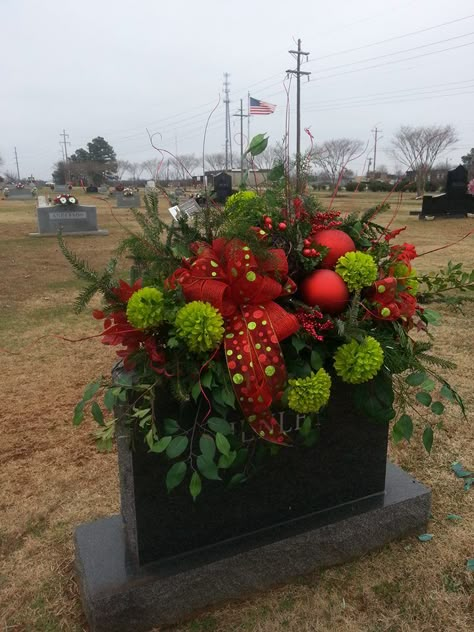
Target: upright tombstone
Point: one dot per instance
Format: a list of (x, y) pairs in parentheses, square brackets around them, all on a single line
[(61, 188), (222, 186), (166, 556), (71, 219), (456, 202), (103, 189)]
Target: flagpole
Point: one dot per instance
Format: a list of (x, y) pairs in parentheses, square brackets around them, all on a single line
[(248, 119)]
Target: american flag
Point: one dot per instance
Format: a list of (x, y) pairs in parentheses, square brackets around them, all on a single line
[(260, 107)]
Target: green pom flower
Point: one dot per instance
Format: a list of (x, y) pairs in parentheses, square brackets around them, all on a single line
[(357, 269), (145, 308), (407, 277), (309, 394), (200, 325), (357, 362), (241, 198)]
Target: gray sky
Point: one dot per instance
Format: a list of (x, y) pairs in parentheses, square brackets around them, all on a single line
[(114, 67)]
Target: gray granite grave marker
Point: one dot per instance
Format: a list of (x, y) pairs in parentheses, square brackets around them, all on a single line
[(20, 194), (71, 219), (132, 201), (61, 188)]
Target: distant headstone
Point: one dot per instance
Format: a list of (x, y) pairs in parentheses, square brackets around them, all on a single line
[(222, 186), (71, 219), (92, 189), (19, 194), (131, 201), (43, 201), (150, 187), (103, 189), (60, 188), (456, 202)]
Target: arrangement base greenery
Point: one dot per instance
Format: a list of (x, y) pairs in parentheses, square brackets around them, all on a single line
[(118, 599)]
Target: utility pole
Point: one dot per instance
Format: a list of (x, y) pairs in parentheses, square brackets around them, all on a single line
[(298, 72), (376, 133), (368, 168), (228, 135), (65, 143), (17, 167), (241, 115)]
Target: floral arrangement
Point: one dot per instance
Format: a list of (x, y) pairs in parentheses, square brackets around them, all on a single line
[(6, 191), (266, 305), (65, 199), (128, 192), (470, 187), (19, 185)]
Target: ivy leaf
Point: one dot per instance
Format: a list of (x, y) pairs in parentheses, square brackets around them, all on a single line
[(226, 460), (297, 343), (195, 485), (206, 379), (222, 444), (470, 565), (207, 446), (78, 416), (437, 408), (177, 446), (432, 317), (175, 475), (425, 537), (428, 385), (428, 438), (208, 469), (447, 393), (219, 425), (161, 445), (109, 399), (416, 379), (316, 360), (403, 429), (237, 479), (228, 397), (459, 470), (90, 390), (196, 391), (170, 426), (453, 517), (424, 398), (257, 145), (97, 413), (468, 482)]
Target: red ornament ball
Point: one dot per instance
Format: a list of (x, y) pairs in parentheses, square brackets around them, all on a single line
[(326, 289), (338, 243)]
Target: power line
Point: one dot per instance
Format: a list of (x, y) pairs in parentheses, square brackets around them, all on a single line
[(298, 73), (389, 39)]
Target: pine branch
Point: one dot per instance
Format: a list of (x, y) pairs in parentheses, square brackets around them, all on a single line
[(81, 268)]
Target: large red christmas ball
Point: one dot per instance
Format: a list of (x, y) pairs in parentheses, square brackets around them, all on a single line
[(338, 243), (326, 289)]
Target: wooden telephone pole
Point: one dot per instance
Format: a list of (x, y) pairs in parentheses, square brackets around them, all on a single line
[(298, 73), (241, 115)]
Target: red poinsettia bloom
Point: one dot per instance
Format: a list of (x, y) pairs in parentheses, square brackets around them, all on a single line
[(124, 291), (405, 253), (394, 233)]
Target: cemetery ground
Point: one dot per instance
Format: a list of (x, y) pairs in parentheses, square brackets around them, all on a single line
[(52, 478)]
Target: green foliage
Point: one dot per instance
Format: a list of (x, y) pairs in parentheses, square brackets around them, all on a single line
[(451, 285)]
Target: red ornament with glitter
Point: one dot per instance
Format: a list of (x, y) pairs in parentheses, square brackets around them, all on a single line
[(326, 289), (338, 243)]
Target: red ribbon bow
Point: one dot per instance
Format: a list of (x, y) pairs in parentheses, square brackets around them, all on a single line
[(229, 276)]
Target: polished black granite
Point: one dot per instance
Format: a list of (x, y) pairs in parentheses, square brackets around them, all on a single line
[(347, 463), (118, 599)]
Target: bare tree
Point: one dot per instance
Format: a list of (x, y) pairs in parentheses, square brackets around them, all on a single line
[(215, 161), (123, 166), (150, 166), (334, 155), (135, 169), (273, 154), (184, 165), (418, 147)]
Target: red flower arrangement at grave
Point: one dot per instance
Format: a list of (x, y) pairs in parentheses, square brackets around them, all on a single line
[(128, 192), (19, 185), (65, 199), (259, 307)]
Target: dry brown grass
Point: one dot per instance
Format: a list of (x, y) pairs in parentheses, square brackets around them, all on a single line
[(52, 478)]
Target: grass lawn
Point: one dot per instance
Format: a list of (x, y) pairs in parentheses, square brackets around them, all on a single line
[(52, 478)]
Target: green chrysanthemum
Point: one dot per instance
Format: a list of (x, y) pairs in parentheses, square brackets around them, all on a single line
[(200, 325), (357, 362), (309, 394), (145, 308), (357, 269), (239, 198)]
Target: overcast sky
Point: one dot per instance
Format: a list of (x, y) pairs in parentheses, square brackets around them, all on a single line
[(113, 68)]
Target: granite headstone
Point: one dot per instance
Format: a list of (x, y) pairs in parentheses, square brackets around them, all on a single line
[(71, 219), (455, 202), (124, 201)]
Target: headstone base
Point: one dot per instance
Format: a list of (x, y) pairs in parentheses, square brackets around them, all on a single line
[(100, 232), (117, 599)]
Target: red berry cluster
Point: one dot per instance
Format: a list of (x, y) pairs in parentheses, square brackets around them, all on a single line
[(325, 220), (308, 251), (313, 323)]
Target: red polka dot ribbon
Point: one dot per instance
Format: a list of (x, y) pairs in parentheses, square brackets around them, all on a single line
[(244, 289)]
